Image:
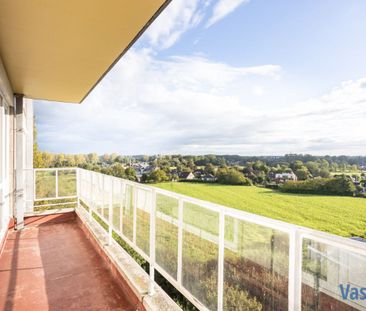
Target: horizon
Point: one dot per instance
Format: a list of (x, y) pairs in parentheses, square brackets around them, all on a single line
[(227, 77), (214, 154)]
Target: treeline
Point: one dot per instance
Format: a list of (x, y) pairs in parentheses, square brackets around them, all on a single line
[(168, 167), (339, 162), (314, 165), (329, 186)]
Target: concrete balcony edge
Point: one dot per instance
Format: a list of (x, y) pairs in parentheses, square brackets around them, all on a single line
[(124, 268)]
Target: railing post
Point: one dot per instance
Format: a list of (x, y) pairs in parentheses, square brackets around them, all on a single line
[(78, 186), (93, 195), (180, 242), (295, 271), (56, 180), (152, 242), (134, 200), (34, 184), (103, 196), (110, 212), (220, 278)]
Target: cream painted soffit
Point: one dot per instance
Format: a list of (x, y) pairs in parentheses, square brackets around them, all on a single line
[(60, 49)]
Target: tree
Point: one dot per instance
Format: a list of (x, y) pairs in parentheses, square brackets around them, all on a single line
[(118, 170), (331, 186), (324, 173), (209, 169), (37, 155), (70, 160), (313, 168), (131, 174), (106, 158), (302, 174), (158, 176), (297, 165), (93, 158), (47, 159), (230, 176), (79, 159)]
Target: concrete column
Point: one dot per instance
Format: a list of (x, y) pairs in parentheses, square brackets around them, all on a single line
[(20, 157), (28, 105), (23, 159)]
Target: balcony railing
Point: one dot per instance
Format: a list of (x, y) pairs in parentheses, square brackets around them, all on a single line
[(219, 258)]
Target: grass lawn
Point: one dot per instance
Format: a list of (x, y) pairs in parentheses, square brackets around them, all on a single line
[(344, 216)]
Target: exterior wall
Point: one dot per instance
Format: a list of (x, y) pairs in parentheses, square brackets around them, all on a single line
[(16, 154), (6, 154)]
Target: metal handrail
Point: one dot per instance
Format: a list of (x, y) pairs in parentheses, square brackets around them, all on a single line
[(296, 234)]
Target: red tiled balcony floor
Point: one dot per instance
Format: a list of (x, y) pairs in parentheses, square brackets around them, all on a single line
[(53, 266)]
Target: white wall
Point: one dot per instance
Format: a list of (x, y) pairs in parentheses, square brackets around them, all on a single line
[(6, 158), (28, 105)]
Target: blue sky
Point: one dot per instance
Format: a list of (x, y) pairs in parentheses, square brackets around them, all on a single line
[(228, 77)]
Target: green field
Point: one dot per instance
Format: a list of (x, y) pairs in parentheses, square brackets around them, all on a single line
[(344, 216)]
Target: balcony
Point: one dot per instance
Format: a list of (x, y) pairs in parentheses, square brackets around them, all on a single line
[(218, 258), (52, 265)]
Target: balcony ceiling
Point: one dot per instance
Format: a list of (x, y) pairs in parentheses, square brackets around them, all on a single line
[(59, 50)]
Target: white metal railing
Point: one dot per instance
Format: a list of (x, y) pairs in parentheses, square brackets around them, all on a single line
[(219, 258), (51, 187)]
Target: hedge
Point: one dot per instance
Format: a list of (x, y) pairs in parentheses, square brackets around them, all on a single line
[(330, 186)]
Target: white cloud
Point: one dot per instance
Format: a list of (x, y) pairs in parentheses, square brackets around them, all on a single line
[(177, 18), (222, 9), (194, 105), (146, 104), (191, 104)]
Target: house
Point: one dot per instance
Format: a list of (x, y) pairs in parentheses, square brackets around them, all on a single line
[(286, 176), (360, 186), (186, 176), (282, 177), (208, 178), (142, 168), (198, 173)]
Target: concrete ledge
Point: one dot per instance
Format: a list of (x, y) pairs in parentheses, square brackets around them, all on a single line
[(125, 269), (49, 212), (42, 219)]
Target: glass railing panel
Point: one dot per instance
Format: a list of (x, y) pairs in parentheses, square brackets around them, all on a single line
[(255, 267), (143, 208), (94, 191), (89, 188), (99, 194), (67, 183), (166, 234), (117, 203), (333, 278), (200, 253), (45, 184), (128, 215), (107, 193)]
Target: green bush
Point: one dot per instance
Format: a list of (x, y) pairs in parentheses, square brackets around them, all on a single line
[(157, 176), (332, 186), (230, 176)]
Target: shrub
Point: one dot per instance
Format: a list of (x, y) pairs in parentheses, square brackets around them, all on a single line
[(230, 176), (157, 176), (331, 186)]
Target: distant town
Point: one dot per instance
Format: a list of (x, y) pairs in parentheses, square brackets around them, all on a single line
[(301, 173)]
